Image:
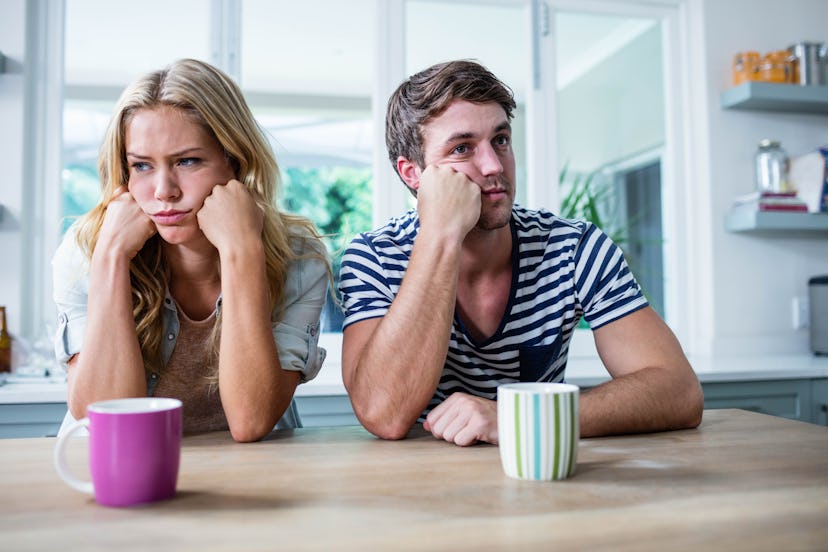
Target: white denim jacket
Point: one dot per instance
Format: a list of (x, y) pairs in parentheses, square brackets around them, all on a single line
[(296, 334)]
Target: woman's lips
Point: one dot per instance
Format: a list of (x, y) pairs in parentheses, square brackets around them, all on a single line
[(166, 218)]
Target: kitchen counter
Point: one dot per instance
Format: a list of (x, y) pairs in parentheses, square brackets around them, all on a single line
[(585, 372)]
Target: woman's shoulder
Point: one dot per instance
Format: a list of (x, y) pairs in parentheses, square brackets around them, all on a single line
[(69, 255)]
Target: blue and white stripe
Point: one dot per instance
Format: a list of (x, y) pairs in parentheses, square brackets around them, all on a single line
[(562, 270)]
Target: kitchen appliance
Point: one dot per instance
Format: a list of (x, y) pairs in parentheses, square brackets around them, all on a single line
[(808, 58), (818, 299)]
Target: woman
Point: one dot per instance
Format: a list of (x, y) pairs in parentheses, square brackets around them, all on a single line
[(185, 281)]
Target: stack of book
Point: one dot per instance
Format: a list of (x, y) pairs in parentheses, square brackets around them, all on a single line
[(770, 201)]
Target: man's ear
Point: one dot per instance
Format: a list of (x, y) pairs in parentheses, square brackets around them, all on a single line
[(409, 172)]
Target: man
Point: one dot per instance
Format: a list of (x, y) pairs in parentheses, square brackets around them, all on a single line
[(471, 291)]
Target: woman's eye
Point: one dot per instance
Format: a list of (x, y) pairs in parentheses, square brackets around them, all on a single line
[(188, 161), (140, 166)]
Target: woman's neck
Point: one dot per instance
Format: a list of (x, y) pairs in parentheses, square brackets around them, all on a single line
[(195, 278)]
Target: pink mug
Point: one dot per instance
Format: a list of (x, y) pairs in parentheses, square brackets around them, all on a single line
[(134, 450)]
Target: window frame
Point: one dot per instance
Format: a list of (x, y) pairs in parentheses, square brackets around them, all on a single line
[(44, 141)]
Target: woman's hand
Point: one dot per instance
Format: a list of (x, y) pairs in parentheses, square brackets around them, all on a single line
[(126, 228), (230, 217)]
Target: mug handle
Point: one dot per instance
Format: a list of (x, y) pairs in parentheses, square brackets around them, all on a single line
[(60, 458)]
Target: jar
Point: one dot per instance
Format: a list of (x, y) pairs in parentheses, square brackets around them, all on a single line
[(775, 67), (772, 166), (745, 65)]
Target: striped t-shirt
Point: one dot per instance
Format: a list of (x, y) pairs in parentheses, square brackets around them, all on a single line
[(561, 270)]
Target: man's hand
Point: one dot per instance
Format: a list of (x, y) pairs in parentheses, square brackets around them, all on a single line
[(230, 216), (464, 420), (447, 200)]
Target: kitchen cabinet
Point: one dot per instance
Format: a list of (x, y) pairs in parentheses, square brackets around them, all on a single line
[(31, 419), (785, 398), (804, 399), (819, 402)]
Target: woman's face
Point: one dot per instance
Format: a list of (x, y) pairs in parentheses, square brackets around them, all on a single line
[(173, 166)]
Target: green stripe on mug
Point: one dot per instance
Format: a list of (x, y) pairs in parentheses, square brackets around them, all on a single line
[(538, 430)]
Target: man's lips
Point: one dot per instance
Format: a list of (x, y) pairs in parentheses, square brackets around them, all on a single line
[(494, 194), (171, 216)]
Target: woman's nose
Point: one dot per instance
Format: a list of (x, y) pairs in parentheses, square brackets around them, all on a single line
[(166, 186)]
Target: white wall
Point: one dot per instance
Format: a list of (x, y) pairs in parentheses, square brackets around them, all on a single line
[(12, 44), (755, 277)]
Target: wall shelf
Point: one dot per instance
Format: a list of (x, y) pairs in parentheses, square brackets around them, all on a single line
[(776, 97), (751, 220)]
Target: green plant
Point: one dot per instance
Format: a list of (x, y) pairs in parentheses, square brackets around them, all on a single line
[(587, 197), (590, 201)]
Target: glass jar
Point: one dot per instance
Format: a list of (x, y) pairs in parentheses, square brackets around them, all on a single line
[(772, 166), (745, 66), (775, 67)]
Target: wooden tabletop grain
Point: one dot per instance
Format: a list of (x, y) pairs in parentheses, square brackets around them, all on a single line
[(741, 481)]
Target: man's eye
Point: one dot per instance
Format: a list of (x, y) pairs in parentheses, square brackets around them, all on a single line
[(461, 149), (502, 140)]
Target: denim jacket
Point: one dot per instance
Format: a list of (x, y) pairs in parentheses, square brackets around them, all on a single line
[(296, 334)]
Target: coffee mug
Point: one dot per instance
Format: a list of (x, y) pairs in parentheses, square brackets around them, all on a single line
[(134, 450), (538, 430)]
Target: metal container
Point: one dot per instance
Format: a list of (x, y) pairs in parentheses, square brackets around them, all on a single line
[(818, 305), (772, 167), (809, 62)]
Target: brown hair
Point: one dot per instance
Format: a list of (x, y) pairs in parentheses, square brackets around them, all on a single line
[(428, 93)]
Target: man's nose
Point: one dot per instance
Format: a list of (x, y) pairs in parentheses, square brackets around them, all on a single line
[(488, 162), (166, 185)]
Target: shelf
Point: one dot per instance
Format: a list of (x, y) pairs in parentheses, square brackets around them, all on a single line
[(776, 97), (751, 220)]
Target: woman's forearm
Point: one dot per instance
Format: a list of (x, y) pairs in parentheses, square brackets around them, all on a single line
[(109, 365)]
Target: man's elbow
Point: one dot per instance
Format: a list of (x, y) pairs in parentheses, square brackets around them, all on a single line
[(384, 426), (694, 401)]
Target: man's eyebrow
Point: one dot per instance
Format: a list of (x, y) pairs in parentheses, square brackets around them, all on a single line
[(458, 136)]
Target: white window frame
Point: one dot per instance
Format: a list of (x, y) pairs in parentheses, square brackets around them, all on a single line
[(44, 141)]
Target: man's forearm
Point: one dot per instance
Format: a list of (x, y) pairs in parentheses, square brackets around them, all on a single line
[(651, 399), (397, 370)]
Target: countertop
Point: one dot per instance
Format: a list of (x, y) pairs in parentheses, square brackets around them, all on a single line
[(740, 481), (585, 372)]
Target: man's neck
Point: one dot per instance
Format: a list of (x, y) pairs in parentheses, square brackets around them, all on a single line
[(486, 252)]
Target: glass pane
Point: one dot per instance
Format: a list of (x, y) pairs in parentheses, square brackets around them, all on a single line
[(611, 133), (112, 43), (495, 35), (319, 119)]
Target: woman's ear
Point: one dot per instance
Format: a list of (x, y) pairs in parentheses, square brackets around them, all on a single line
[(409, 173)]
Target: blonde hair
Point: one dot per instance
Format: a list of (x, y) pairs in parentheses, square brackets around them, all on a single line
[(209, 98)]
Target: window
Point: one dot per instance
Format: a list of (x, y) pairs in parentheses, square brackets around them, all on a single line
[(590, 86)]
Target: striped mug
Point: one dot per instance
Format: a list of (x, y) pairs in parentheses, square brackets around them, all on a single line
[(538, 430)]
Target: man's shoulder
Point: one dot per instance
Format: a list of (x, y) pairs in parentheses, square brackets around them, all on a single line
[(544, 223), (399, 231)]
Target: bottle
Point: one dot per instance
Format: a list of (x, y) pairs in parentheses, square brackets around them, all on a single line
[(5, 343), (772, 167)]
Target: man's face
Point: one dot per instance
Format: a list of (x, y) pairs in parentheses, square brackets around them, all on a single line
[(476, 140)]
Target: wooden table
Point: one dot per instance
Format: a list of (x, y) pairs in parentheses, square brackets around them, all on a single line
[(742, 481)]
